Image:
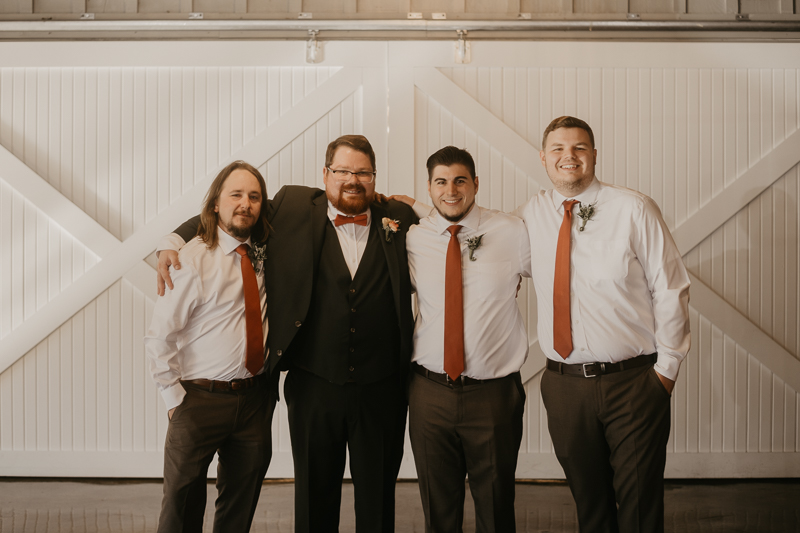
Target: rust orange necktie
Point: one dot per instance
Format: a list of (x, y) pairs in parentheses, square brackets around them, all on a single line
[(562, 332), (453, 308), (254, 358)]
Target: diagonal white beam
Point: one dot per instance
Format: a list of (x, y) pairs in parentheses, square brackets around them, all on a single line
[(66, 214), (483, 122), (122, 257), (738, 194), (746, 334)]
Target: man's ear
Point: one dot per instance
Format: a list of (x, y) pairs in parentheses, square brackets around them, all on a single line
[(541, 157), (475, 181)]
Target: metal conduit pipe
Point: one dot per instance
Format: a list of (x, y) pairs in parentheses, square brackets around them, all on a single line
[(426, 26)]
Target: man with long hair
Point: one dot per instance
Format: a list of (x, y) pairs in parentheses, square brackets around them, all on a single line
[(206, 350)]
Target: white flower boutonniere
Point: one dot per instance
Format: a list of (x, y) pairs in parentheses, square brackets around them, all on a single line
[(473, 243), (390, 226), (258, 254), (585, 213)]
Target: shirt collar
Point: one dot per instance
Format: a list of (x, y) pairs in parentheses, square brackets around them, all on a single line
[(228, 243), (469, 222), (332, 212), (587, 197)]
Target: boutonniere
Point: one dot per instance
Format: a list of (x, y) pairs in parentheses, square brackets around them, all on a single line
[(390, 226), (585, 213), (473, 243), (258, 254)]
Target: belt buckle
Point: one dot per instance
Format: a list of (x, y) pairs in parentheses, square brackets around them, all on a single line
[(586, 365)]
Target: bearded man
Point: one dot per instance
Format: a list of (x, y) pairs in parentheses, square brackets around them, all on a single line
[(339, 297)]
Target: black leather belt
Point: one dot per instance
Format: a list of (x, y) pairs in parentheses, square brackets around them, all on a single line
[(444, 379), (226, 386), (591, 370)]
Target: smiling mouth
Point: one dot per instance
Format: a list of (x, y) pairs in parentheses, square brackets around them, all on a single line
[(452, 203), (569, 167)]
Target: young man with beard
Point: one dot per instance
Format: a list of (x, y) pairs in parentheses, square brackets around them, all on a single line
[(466, 397), (206, 351), (340, 316), (613, 298)]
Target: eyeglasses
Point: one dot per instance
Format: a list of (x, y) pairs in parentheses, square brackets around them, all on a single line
[(344, 175)]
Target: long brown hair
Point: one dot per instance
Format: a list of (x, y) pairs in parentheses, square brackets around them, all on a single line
[(209, 219)]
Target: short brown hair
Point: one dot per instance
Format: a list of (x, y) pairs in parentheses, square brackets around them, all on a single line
[(209, 219), (450, 155), (567, 122), (358, 143)]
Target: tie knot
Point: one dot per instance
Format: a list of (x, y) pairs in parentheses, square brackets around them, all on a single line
[(569, 203), (360, 220), (454, 229), (242, 249)]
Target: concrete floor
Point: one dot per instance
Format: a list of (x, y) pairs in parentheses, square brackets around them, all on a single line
[(132, 506)]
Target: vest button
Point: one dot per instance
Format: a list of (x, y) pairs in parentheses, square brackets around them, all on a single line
[(352, 330), (352, 350), (353, 310), (352, 369), (279, 352), (298, 324), (352, 291)]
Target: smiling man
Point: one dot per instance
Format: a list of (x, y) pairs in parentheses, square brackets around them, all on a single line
[(466, 398), (340, 320), (206, 350), (613, 299)]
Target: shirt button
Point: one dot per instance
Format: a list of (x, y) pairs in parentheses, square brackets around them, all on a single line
[(352, 369), (298, 324)]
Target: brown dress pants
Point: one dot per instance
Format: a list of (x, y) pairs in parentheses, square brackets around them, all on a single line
[(470, 430), (610, 435), (237, 426)]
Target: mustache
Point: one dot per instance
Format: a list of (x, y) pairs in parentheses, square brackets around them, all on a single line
[(356, 186)]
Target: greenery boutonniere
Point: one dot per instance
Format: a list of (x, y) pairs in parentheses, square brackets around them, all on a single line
[(390, 226), (258, 254), (585, 213), (473, 243)]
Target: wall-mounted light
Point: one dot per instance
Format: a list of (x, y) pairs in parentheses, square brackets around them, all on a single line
[(462, 53), (313, 48)]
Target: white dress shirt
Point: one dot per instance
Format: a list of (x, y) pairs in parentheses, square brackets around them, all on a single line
[(495, 340), (352, 238), (629, 289), (198, 329)]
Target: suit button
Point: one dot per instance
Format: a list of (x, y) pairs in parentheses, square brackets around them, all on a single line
[(352, 291), (352, 369), (279, 352), (352, 350), (352, 330), (298, 324), (353, 310)]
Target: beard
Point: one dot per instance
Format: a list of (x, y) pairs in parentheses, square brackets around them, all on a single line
[(242, 231), (458, 216), (350, 204)]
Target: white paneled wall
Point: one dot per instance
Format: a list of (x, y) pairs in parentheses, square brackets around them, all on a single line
[(103, 153)]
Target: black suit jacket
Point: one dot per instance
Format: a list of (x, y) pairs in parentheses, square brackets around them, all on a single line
[(298, 216)]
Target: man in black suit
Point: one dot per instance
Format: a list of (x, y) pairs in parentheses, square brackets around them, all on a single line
[(340, 319)]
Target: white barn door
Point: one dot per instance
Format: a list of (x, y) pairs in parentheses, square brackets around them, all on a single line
[(99, 158), (105, 146), (710, 131)]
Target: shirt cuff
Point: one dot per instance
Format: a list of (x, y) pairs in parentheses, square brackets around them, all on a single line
[(668, 366), (173, 396), (173, 241)]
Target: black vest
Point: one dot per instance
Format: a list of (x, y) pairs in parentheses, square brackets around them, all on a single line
[(352, 331)]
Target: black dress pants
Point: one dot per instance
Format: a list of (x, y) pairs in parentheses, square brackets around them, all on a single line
[(237, 425), (325, 420), (610, 435)]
